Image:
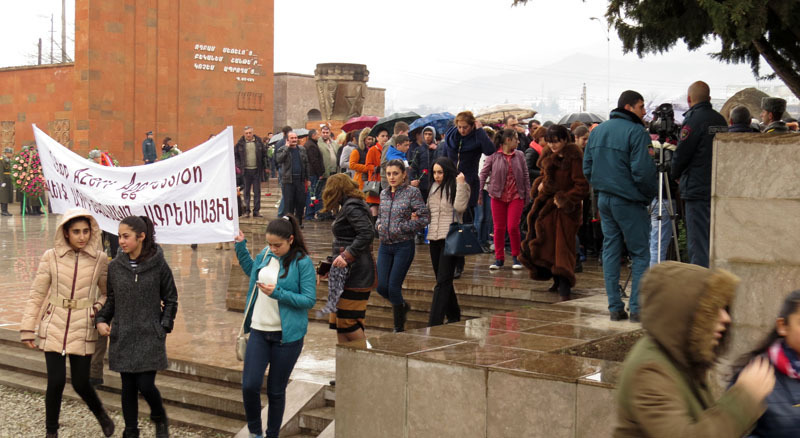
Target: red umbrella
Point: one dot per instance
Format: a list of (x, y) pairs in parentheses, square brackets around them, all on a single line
[(360, 122)]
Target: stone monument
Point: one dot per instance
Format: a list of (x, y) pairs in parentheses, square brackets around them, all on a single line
[(341, 89)]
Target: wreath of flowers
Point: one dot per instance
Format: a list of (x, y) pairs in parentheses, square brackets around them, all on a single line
[(26, 173), (106, 159)]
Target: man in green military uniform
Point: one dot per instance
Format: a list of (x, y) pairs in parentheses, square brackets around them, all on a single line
[(6, 185)]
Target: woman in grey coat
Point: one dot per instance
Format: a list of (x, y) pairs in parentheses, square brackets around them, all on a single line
[(141, 306)]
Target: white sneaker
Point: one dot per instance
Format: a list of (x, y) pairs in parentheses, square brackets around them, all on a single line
[(516, 264), (496, 265)]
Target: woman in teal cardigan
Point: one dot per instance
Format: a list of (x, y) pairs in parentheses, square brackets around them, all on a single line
[(276, 316)]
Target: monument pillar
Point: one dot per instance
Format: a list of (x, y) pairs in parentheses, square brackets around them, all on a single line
[(755, 218), (341, 89)]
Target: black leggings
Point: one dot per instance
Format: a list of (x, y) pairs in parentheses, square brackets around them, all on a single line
[(57, 379), (132, 385)]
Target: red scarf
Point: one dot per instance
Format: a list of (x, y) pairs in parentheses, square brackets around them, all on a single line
[(781, 361)]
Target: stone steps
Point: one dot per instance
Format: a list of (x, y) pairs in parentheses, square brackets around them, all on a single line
[(195, 394), (111, 400)]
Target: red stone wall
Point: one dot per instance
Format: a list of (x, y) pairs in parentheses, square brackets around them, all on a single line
[(137, 69), (39, 95)]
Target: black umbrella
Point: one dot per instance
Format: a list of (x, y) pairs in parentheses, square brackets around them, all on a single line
[(389, 121), (587, 118)]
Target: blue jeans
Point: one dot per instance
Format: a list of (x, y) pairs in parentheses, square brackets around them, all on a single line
[(666, 230), (624, 223), (394, 259), (698, 227), (483, 218), (265, 348)]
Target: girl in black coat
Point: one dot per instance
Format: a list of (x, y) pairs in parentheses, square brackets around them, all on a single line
[(352, 248), (141, 307), (782, 348)]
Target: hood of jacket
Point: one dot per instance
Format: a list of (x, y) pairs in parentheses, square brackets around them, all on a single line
[(429, 128), (95, 244), (362, 138), (681, 304)]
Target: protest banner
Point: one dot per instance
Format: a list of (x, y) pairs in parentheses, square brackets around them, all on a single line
[(191, 197)]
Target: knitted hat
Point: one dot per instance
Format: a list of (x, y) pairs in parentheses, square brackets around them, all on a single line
[(774, 105)]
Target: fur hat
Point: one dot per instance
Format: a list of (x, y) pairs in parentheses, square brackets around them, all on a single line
[(774, 105)]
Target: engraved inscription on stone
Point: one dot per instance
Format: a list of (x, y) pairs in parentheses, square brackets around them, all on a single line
[(59, 131), (250, 101), (7, 134)]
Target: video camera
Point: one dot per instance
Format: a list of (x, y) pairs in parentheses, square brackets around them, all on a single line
[(664, 126), (663, 123)]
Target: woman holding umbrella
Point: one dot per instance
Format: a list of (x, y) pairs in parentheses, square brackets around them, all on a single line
[(373, 163), (556, 213)]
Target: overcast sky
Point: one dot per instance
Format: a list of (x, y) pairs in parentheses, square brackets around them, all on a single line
[(449, 54)]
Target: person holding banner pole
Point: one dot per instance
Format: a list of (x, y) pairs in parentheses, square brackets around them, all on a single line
[(293, 164), (281, 291)]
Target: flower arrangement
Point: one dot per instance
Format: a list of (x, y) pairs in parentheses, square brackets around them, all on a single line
[(26, 173)]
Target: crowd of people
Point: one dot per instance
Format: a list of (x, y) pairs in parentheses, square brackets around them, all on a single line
[(542, 190)]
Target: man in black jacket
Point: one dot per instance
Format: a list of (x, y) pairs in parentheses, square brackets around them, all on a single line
[(316, 173), (250, 155), (293, 164), (692, 164)]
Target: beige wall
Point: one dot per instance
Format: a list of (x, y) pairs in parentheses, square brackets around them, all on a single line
[(296, 94), (755, 226)]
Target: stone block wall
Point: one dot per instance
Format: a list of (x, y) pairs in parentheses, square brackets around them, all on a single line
[(38, 95), (755, 226)]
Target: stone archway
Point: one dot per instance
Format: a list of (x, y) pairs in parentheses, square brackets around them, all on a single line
[(313, 115)]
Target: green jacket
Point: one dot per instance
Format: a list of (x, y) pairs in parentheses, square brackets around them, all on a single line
[(331, 165), (7, 191), (663, 389), (296, 292)]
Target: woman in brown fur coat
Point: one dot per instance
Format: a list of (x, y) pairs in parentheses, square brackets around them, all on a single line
[(549, 248)]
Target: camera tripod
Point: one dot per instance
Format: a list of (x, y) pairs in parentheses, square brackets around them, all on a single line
[(663, 184)]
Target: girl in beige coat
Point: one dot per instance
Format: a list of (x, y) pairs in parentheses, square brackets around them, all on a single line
[(69, 289), (447, 201)]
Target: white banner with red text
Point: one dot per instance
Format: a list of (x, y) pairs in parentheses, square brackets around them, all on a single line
[(191, 197)]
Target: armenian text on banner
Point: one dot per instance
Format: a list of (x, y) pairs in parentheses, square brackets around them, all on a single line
[(191, 197)]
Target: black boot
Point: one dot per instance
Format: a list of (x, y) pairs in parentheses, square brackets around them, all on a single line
[(52, 434), (554, 287), (400, 312), (5, 210), (564, 290), (130, 432), (106, 423), (162, 428)]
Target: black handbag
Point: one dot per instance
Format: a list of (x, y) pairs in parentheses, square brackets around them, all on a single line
[(462, 240)]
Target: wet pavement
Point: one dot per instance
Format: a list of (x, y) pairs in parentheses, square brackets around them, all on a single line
[(204, 330)]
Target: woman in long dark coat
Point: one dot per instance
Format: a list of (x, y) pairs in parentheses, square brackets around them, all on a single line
[(549, 248)]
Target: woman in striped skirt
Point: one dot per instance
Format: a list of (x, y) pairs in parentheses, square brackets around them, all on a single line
[(353, 267)]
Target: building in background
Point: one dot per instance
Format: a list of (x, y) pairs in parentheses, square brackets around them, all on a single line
[(181, 69), (335, 93)]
